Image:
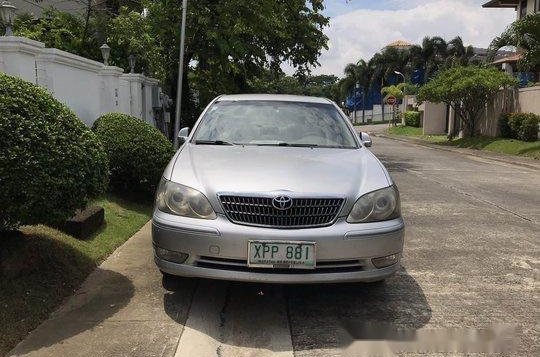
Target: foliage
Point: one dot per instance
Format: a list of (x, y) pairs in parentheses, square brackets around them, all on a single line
[(412, 118), (138, 153), (360, 73), (393, 90), (408, 88), (130, 33), (279, 83), (50, 163), (430, 55), (524, 126), (60, 30), (525, 35), (466, 90), (433, 55), (228, 43)]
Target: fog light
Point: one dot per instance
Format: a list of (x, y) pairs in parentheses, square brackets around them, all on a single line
[(170, 255), (385, 261)]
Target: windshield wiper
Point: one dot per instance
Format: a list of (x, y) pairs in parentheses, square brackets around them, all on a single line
[(213, 142), (282, 143)]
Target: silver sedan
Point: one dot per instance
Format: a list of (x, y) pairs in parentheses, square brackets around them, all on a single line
[(276, 189)]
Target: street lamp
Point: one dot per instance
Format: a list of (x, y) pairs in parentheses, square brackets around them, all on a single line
[(400, 74), (180, 76), (7, 12), (105, 52), (132, 61)]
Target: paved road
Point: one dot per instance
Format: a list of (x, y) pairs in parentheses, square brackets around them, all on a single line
[(471, 260)]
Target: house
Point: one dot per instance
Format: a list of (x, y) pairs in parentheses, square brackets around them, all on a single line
[(522, 7), (400, 45)]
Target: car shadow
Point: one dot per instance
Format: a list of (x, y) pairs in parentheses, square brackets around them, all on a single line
[(321, 315), (316, 316)]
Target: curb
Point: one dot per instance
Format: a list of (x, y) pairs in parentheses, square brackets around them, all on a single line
[(507, 160)]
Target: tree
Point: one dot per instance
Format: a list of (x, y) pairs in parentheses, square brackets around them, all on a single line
[(430, 56), (525, 35), (389, 60), (457, 53), (60, 30), (467, 90), (360, 73), (230, 42)]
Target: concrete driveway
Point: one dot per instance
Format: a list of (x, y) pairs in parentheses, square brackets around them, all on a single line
[(471, 260)]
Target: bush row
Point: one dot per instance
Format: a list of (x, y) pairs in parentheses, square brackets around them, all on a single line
[(522, 126), (51, 164), (412, 118), (138, 153)]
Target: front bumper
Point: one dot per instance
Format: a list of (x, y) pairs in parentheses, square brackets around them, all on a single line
[(217, 249)]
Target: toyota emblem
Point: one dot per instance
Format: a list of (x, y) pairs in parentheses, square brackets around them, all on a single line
[(282, 202)]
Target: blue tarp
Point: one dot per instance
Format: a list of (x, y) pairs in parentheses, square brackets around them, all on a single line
[(525, 78)]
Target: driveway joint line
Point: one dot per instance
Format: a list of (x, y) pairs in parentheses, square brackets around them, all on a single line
[(464, 193)]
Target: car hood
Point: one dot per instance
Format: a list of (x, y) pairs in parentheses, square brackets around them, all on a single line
[(214, 169)]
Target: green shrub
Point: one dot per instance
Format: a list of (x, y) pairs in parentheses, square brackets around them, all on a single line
[(412, 119), (50, 163), (524, 126), (138, 153), (504, 126)]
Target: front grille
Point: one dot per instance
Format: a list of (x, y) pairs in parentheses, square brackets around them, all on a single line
[(259, 211), (321, 267)]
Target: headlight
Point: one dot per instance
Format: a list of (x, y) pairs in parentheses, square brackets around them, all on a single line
[(380, 205), (183, 201)]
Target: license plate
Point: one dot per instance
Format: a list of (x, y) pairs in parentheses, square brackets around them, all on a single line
[(281, 254)]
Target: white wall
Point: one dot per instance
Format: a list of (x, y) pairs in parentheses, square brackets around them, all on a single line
[(529, 100), (434, 118), (88, 87)]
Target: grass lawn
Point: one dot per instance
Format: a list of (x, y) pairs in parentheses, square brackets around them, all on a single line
[(405, 130), (500, 145), (41, 266)]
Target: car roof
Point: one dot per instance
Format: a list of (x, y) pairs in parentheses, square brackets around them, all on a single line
[(273, 97)]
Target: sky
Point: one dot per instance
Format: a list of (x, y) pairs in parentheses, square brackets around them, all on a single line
[(360, 28)]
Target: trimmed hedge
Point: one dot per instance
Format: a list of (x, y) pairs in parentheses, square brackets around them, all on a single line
[(412, 118), (51, 164), (522, 126), (138, 153)]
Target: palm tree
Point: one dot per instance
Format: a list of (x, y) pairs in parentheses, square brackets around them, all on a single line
[(389, 60), (524, 34), (457, 53), (430, 56), (359, 73)]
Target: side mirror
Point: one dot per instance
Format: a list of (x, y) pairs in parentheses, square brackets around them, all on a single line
[(366, 139), (183, 135)]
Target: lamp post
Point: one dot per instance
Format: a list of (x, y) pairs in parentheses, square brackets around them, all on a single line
[(180, 76), (132, 60), (400, 74), (7, 12), (105, 52)]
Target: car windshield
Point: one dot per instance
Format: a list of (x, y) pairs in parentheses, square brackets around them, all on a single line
[(276, 123)]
